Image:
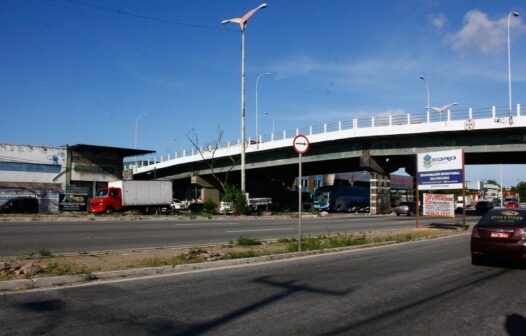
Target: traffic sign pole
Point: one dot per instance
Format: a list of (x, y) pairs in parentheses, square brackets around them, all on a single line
[(301, 145), (300, 187)]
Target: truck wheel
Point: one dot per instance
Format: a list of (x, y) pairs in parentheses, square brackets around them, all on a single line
[(109, 210)]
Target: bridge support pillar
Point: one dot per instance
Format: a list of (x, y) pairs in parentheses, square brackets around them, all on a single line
[(380, 194), (208, 191)]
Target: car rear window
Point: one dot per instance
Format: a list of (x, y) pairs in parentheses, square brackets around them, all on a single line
[(504, 217)]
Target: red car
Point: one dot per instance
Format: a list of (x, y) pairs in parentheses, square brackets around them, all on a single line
[(512, 204), (500, 233)]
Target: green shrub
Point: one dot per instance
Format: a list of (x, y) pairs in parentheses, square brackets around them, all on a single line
[(247, 241), (209, 207), (45, 252), (236, 197)]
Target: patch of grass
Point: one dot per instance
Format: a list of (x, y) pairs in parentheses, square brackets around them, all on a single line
[(54, 268), (89, 277), (242, 254), (283, 240), (248, 241), (45, 252), (344, 240), (155, 262)]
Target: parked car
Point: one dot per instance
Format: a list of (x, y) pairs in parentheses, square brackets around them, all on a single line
[(406, 208), (20, 205), (483, 206), (500, 233), (226, 208), (176, 205)]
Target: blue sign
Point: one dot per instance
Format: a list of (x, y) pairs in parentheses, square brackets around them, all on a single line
[(440, 177)]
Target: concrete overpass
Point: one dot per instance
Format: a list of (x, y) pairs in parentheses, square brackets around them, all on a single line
[(381, 144)]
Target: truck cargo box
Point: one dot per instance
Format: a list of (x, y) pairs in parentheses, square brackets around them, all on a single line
[(136, 193)]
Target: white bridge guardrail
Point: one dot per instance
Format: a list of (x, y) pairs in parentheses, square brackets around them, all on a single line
[(450, 120)]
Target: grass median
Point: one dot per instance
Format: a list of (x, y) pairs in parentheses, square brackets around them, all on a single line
[(45, 263)]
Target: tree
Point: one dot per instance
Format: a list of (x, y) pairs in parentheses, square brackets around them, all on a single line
[(520, 189), (208, 152)]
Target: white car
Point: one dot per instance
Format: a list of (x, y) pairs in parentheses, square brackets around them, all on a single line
[(226, 208), (177, 205)]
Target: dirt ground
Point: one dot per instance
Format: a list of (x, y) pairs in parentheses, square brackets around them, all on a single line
[(47, 264)]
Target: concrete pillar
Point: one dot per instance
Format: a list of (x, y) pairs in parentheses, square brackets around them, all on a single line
[(380, 202)]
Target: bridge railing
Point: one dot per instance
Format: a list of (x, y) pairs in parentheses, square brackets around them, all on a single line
[(497, 113)]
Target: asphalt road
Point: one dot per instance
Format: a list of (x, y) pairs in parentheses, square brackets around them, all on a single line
[(417, 288), (22, 238)]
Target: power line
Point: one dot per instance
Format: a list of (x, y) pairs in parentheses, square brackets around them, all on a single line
[(145, 17)]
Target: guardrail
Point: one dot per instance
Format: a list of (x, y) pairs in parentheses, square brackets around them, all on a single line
[(498, 114)]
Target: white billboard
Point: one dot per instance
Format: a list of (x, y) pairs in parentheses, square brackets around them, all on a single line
[(440, 170)]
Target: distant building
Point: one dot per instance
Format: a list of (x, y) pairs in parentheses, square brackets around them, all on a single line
[(48, 173)]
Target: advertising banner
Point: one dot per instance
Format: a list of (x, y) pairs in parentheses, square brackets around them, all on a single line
[(439, 205), (440, 170), (73, 202)]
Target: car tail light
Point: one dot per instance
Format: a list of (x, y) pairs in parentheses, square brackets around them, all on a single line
[(475, 233)]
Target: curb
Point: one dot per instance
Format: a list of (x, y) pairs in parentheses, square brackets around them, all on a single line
[(28, 284)]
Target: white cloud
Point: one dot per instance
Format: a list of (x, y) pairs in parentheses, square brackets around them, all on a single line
[(359, 72), (438, 21), (481, 33)]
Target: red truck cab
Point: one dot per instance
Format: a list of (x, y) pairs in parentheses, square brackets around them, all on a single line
[(107, 201)]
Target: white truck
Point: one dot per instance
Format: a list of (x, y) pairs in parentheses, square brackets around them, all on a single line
[(141, 196)]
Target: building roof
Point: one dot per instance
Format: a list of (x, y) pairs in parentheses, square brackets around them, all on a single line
[(125, 152)]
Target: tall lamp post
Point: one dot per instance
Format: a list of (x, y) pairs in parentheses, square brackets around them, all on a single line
[(243, 24), (257, 106), (509, 65), (271, 118), (427, 88)]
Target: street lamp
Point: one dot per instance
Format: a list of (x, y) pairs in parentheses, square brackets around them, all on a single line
[(443, 108), (243, 24), (271, 118), (257, 107), (137, 126), (427, 87), (509, 65)]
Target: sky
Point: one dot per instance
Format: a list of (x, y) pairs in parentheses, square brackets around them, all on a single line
[(102, 71)]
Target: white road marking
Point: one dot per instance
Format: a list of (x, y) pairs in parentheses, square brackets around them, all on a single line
[(278, 229)]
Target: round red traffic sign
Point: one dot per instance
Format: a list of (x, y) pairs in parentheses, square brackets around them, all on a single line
[(301, 144)]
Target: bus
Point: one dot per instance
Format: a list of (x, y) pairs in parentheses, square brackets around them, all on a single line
[(342, 198)]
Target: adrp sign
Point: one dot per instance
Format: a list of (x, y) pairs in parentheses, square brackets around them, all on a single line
[(440, 170)]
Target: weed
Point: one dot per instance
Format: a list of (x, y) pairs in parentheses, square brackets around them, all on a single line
[(54, 268), (90, 277), (242, 254), (247, 241), (156, 262), (44, 252), (284, 240)]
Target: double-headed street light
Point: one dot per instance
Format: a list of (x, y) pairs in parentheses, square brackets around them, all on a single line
[(243, 24), (509, 65), (257, 107), (443, 108)]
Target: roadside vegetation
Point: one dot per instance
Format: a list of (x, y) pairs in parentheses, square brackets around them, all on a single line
[(45, 263)]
